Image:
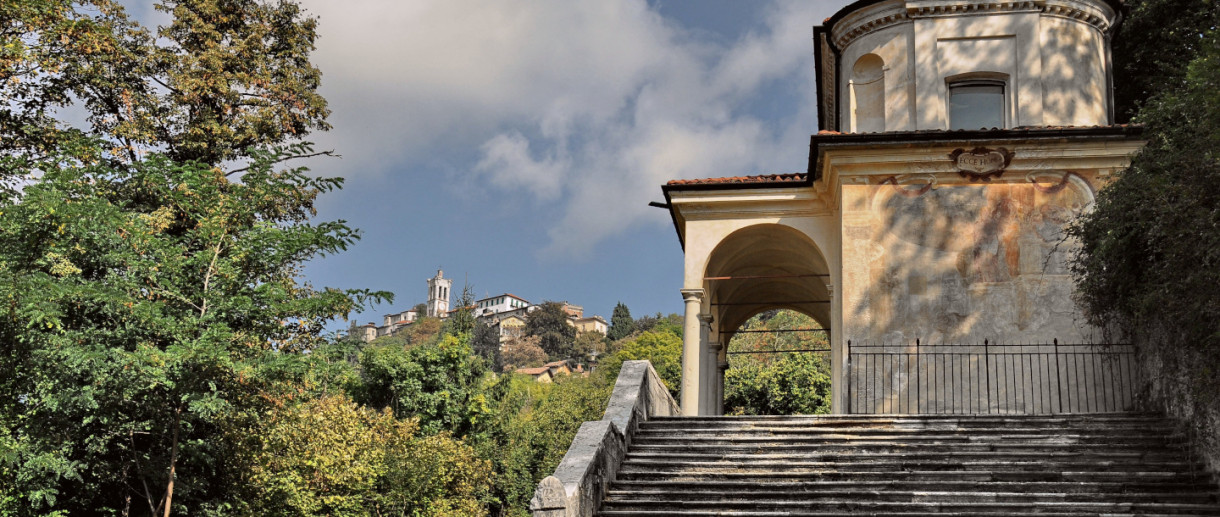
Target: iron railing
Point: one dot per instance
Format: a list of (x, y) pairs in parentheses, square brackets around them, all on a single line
[(990, 378)]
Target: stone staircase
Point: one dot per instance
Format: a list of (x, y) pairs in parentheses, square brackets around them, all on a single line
[(1046, 465)]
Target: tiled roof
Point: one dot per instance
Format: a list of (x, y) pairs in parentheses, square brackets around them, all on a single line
[(533, 371), (556, 363), (762, 178)]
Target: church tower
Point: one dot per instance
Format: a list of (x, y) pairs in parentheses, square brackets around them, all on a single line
[(438, 295)]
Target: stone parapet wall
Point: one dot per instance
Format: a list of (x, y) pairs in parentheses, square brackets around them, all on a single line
[(580, 481)]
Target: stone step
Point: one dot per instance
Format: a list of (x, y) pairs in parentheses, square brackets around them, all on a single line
[(843, 447), (865, 419), (759, 475), (929, 437), (778, 494), (1094, 454), (934, 513), (1202, 484), (891, 464), (823, 507), (908, 424), (903, 465)]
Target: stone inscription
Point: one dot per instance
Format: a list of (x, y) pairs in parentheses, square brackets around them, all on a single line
[(981, 163)]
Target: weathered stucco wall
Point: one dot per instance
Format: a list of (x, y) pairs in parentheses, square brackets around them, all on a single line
[(960, 263)]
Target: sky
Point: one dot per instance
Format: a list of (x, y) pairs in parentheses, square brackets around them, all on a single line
[(517, 143)]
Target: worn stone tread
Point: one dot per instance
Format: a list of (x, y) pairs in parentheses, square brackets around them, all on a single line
[(942, 465)]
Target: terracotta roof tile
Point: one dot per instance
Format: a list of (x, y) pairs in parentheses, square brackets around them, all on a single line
[(532, 371), (762, 178)]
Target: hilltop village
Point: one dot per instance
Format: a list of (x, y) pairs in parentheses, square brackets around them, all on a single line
[(505, 315)]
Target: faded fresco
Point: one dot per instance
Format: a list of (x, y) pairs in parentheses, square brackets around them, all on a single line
[(961, 263)]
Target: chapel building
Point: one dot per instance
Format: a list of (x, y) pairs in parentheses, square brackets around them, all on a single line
[(957, 139)]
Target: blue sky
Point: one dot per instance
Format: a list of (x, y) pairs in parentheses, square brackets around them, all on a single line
[(517, 143)]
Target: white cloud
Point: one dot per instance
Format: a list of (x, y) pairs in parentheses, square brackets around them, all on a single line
[(595, 104)]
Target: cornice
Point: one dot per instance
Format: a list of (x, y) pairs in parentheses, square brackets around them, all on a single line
[(877, 16), (705, 205)]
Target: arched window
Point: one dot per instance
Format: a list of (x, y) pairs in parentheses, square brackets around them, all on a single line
[(868, 94), (977, 104)]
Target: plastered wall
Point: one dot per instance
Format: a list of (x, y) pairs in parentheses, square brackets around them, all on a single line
[(961, 263)]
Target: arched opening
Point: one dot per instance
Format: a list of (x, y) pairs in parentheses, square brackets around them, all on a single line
[(757, 270), (779, 364), (868, 94)]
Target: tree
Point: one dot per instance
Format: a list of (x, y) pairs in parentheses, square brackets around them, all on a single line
[(329, 456), (589, 345), (794, 384), (423, 330), (621, 324), (1154, 46), (485, 343), (224, 77), (1147, 250), (147, 310), (461, 320), (550, 324), (438, 383), (523, 352), (663, 349)]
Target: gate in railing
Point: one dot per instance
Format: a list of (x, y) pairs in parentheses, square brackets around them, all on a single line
[(990, 378)]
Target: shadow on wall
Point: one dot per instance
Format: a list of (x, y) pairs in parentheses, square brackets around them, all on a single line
[(976, 274)]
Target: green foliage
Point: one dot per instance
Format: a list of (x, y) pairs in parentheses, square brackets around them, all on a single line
[(660, 323), (438, 383), (588, 345), (783, 383), (461, 321), (551, 326), (795, 384), (148, 311), (1148, 260), (663, 349), (530, 429), (621, 324), (523, 352), (331, 457), (223, 77), (1154, 46), (485, 343), (776, 320)]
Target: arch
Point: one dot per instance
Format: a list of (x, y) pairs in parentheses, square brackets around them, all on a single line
[(766, 266), (868, 94)]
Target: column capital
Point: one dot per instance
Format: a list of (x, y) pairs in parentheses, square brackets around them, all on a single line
[(692, 295), (705, 318)]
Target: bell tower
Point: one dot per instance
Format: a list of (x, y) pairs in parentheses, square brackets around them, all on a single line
[(438, 295)]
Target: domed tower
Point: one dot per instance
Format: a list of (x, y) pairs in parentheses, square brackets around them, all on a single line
[(958, 139), (904, 65)]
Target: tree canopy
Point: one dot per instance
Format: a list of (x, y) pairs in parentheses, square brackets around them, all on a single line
[(550, 324), (621, 324), (222, 78)]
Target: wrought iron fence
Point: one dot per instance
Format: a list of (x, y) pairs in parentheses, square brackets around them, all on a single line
[(990, 378)]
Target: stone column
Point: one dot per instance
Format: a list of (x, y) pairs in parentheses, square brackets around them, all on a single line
[(838, 356), (691, 356), (707, 367), (721, 366)]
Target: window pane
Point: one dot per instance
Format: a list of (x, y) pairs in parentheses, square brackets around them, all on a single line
[(976, 106)]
